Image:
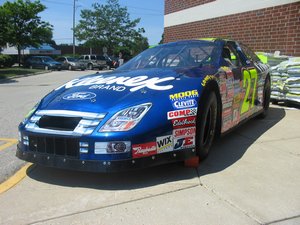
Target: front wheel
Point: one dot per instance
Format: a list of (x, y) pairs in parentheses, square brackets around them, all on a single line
[(46, 68), (69, 67), (206, 125)]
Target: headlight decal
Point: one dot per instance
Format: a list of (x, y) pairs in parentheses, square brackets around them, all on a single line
[(126, 119)]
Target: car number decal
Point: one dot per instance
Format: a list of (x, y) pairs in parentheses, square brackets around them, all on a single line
[(248, 77)]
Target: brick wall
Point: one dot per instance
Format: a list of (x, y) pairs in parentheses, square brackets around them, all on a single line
[(177, 5), (270, 29)]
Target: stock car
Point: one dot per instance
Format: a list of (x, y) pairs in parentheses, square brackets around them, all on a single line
[(166, 104)]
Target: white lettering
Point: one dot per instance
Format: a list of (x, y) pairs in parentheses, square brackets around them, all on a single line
[(136, 83)]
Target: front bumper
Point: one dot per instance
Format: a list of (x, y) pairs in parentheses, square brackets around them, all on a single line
[(100, 165)]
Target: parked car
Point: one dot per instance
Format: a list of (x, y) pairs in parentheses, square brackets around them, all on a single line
[(42, 62), (94, 61), (166, 104), (112, 62), (70, 63)]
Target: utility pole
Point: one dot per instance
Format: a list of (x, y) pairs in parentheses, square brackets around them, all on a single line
[(74, 28)]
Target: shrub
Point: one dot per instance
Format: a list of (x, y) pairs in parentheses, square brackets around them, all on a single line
[(6, 61)]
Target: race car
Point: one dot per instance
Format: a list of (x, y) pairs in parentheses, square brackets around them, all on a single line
[(166, 104)]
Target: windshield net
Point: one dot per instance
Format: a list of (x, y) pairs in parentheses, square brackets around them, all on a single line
[(186, 54)]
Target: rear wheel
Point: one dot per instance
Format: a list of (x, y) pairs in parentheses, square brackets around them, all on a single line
[(46, 68), (70, 67), (206, 125), (266, 100)]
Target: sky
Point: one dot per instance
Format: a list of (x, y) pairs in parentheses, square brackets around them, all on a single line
[(59, 13)]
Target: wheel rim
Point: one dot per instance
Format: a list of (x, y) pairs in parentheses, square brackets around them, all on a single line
[(70, 67)]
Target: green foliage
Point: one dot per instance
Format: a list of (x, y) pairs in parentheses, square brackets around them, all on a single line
[(162, 39), (109, 25), (21, 25), (6, 61)]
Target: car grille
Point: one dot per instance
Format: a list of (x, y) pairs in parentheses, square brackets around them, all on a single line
[(64, 122), (59, 123), (55, 146)]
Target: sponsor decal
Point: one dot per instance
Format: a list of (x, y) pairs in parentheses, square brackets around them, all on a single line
[(164, 144), (184, 95), (206, 79), (182, 113), (185, 142), (120, 83), (236, 116), (185, 104), (227, 123), (184, 122), (184, 132), (227, 104), (80, 96), (143, 150)]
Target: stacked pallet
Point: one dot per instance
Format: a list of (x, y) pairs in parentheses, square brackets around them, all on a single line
[(285, 80)]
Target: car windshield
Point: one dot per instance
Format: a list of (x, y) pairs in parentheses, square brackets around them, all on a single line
[(72, 59), (182, 54), (48, 59)]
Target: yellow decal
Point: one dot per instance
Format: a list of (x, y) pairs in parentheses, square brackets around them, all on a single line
[(206, 79), (185, 94)]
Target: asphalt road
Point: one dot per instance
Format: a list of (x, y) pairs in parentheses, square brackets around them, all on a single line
[(251, 176), (17, 97)]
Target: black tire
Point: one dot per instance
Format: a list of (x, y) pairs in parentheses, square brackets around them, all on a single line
[(46, 68), (266, 100), (69, 67), (206, 124)]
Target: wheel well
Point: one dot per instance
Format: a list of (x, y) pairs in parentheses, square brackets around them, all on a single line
[(213, 86)]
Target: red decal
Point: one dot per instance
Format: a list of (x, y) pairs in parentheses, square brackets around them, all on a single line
[(184, 132), (182, 113), (184, 122), (143, 150)]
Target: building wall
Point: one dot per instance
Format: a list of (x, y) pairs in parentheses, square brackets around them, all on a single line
[(178, 5), (264, 29)]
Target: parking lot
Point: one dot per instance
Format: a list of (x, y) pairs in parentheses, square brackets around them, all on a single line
[(251, 176)]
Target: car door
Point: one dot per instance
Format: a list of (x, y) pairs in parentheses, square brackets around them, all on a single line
[(230, 87), (252, 79), (63, 61), (37, 63)]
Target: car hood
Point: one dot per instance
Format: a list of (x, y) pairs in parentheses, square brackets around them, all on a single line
[(107, 92)]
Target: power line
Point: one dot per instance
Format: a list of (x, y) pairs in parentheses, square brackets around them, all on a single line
[(58, 3), (128, 6)]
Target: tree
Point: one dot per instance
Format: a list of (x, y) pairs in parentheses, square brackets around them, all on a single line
[(162, 39), (108, 25), (23, 26)]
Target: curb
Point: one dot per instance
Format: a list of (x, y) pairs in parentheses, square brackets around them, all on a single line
[(16, 178)]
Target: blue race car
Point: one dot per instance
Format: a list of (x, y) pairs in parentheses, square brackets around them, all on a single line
[(166, 104)]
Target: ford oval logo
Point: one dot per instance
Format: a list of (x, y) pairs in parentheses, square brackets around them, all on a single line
[(80, 96)]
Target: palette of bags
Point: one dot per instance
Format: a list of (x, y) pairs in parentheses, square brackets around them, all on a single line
[(285, 81)]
